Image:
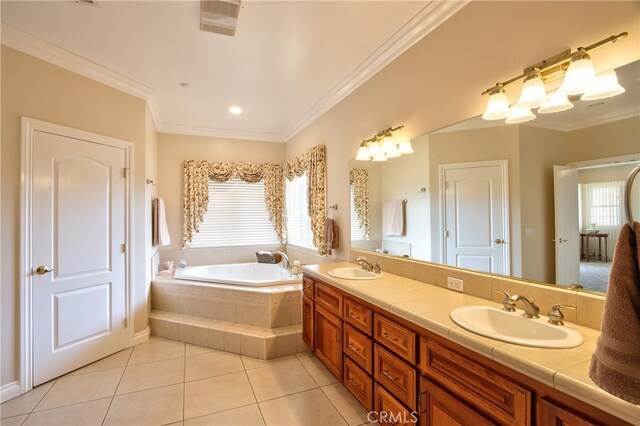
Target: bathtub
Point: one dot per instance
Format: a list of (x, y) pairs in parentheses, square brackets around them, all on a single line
[(245, 274)]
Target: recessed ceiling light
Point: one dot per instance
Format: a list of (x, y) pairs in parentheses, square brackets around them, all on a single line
[(235, 110), (185, 84)]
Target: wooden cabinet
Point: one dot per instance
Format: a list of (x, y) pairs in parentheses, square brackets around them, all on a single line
[(308, 321), (491, 393), (328, 340), (553, 414), (439, 407), (401, 370)]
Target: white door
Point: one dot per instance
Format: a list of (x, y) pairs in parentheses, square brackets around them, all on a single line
[(567, 232), (78, 231), (476, 232)]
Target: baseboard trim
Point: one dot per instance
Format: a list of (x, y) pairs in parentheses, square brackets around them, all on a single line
[(9, 391), (142, 336)]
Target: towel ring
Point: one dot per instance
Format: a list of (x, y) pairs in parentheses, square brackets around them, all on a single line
[(627, 195)]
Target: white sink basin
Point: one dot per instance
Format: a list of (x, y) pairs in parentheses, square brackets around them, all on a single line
[(354, 274), (514, 328)]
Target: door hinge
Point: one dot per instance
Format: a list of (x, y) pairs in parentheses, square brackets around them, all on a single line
[(446, 233), (124, 247), (125, 173), (126, 322)]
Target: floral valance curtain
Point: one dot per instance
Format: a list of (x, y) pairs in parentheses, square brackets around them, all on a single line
[(197, 173), (314, 164), (359, 178)]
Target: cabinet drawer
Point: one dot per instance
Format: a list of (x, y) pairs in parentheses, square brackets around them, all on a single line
[(395, 337), (329, 298), (358, 316), (489, 392), (307, 287), (358, 347), (359, 383), (389, 411), (395, 375), (439, 407)]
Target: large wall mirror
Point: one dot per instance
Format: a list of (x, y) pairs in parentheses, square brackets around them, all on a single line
[(541, 201)]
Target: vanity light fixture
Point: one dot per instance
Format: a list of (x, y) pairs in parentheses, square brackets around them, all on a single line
[(383, 146), (579, 79)]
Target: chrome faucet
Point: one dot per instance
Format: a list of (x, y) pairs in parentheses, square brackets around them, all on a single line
[(368, 266), (285, 258), (531, 310), (556, 317)]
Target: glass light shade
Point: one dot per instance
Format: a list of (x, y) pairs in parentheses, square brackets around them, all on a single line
[(393, 153), (606, 86), (556, 102), (388, 144), (579, 77), (380, 157), (404, 147), (520, 115), (375, 149), (363, 154), (497, 107), (533, 93)]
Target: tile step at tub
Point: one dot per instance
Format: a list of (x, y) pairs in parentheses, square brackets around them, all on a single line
[(257, 342)]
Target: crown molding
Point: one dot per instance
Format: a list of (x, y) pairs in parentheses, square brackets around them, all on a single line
[(630, 112), (425, 21), (41, 49), (185, 129)]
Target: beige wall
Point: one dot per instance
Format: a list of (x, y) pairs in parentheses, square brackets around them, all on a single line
[(439, 80), (540, 150), (36, 89), (173, 150), (151, 190), (605, 140)]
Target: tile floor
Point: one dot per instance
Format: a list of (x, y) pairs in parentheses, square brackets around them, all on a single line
[(162, 382)]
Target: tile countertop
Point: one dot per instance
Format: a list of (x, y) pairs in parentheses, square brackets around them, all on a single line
[(428, 306)]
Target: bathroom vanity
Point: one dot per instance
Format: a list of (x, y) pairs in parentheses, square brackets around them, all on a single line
[(408, 365)]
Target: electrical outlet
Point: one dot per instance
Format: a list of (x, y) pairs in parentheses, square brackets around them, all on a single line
[(454, 284)]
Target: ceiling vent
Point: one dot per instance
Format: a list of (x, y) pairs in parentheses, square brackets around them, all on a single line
[(219, 16)]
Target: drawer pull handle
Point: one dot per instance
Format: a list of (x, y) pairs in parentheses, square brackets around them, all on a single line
[(354, 347), (420, 406), (338, 334), (355, 317), (386, 374), (386, 336), (354, 383)]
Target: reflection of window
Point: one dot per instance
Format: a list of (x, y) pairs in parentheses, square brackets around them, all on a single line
[(298, 220), (236, 216), (358, 233), (602, 204)]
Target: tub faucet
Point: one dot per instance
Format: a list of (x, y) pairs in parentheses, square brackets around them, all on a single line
[(285, 258), (531, 310)]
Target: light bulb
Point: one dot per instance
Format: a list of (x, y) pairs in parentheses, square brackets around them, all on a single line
[(556, 102), (519, 115), (404, 147), (579, 77), (380, 157), (363, 154), (375, 148), (388, 144), (606, 86), (393, 153), (497, 107), (533, 93)]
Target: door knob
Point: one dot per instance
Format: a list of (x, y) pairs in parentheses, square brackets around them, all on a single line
[(41, 270), (560, 240), (499, 241)]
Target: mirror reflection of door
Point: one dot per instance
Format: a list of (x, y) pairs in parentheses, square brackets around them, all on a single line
[(565, 184), (476, 232)]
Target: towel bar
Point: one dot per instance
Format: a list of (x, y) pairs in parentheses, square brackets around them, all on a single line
[(627, 195)]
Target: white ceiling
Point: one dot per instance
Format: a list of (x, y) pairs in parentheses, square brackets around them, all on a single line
[(288, 63)]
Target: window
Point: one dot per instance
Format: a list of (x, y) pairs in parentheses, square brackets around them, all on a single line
[(602, 204), (236, 216), (298, 220), (357, 230)]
